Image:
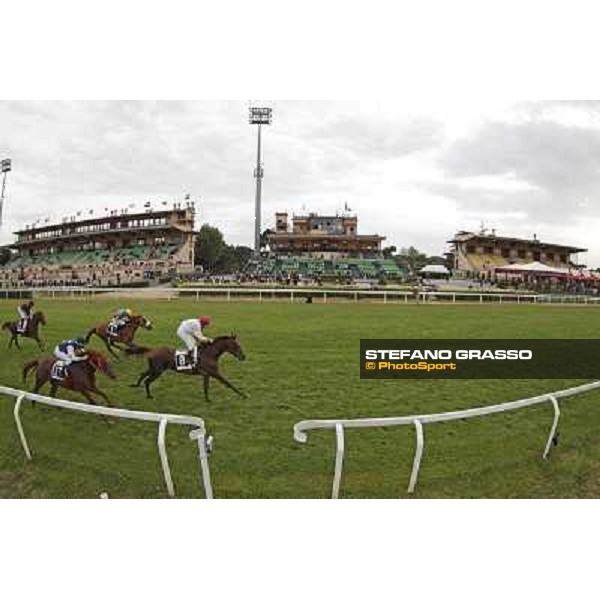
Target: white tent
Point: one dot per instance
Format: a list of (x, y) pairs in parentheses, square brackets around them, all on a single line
[(437, 269), (533, 268)]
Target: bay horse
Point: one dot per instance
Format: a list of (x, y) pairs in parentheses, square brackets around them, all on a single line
[(207, 366), (125, 336), (32, 330), (81, 375)]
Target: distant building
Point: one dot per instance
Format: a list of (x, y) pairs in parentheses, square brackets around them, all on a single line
[(484, 251), (115, 249), (324, 237)]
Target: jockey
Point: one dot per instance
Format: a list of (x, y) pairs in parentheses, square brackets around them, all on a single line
[(191, 333), (25, 311), (71, 351), (121, 317)]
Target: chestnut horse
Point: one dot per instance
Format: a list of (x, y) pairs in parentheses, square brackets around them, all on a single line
[(126, 333), (81, 375), (38, 318), (163, 359)]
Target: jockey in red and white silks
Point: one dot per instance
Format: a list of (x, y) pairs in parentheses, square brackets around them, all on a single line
[(190, 332)]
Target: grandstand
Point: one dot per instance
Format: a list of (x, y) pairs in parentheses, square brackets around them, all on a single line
[(290, 267), (324, 237), (483, 252), (322, 247), (118, 249)]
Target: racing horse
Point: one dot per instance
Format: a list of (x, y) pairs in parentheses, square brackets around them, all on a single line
[(124, 337), (81, 376), (31, 331), (207, 365)]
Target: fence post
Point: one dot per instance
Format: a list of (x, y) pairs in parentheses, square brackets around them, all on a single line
[(20, 426), (553, 428), (164, 459), (204, 470), (418, 456), (339, 461)]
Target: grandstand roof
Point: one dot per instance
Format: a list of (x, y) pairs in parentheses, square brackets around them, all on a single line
[(98, 220), (465, 236)]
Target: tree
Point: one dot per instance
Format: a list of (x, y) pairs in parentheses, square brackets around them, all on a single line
[(412, 259), (216, 256), (242, 254), (389, 251), (209, 245)]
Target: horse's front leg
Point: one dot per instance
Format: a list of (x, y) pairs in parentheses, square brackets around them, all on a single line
[(41, 344), (17, 342), (224, 381), (102, 395), (109, 345), (206, 382), (89, 398)]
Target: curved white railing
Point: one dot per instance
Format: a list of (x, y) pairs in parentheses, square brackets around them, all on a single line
[(197, 433), (300, 293), (418, 421)]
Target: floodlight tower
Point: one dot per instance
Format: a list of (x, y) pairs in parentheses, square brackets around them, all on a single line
[(5, 167), (259, 116)]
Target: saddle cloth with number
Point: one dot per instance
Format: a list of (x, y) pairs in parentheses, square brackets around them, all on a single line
[(59, 371)]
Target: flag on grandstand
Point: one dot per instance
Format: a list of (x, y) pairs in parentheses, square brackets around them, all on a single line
[(147, 205), (91, 212)]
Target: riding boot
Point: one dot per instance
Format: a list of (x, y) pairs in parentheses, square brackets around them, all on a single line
[(192, 357)]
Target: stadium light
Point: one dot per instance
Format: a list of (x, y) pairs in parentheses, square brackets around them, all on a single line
[(259, 116), (5, 167)]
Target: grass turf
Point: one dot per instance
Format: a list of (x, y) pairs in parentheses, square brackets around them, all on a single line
[(303, 363)]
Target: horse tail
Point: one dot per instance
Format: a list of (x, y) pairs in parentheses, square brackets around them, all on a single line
[(28, 366), (6, 325), (135, 350)]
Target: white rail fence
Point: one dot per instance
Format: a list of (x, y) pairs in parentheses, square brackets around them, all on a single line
[(299, 294), (197, 434), (418, 422)]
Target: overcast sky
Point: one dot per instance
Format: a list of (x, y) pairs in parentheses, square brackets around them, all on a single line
[(415, 174)]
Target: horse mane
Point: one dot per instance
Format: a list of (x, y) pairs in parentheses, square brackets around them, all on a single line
[(224, 337), (98, 357)]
